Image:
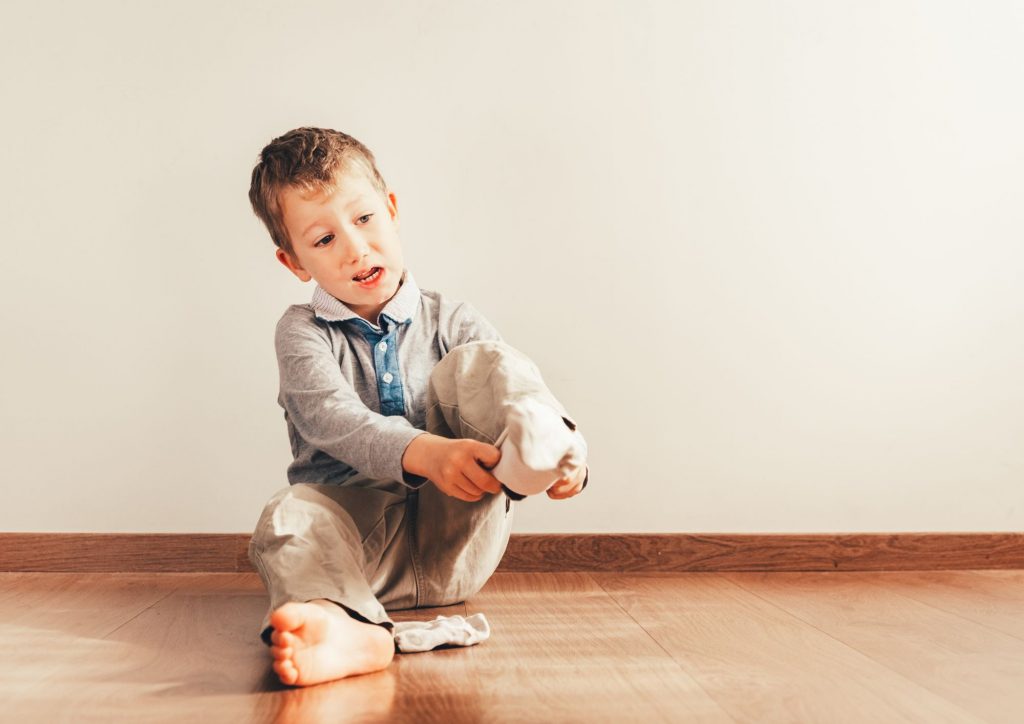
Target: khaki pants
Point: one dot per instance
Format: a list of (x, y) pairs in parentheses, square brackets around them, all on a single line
[(367, 544)]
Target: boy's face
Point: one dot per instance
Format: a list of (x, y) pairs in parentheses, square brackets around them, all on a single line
[(339, 237)]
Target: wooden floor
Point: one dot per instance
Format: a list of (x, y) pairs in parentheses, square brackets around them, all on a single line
[(745, 647)]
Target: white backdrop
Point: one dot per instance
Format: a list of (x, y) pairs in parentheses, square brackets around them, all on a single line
[(768, 253)]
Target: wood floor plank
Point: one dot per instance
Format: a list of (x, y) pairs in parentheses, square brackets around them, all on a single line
[(990, 598), (53, 627), (564, 647), (762, 664), (978, 668), (561, 650), (82, 604), (192, 652)]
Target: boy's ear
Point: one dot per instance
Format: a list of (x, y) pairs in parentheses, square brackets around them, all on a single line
[(393, 207), (292, 265)]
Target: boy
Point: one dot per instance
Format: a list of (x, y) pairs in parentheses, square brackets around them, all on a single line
[(393, 496)]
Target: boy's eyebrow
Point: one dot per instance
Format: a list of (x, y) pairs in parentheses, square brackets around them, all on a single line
[(358, 199)]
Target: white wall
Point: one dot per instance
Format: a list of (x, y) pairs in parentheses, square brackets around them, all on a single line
[(768, 253)]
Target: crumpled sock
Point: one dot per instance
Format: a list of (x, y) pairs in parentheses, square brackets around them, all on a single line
[(539, 446), (413, 636)]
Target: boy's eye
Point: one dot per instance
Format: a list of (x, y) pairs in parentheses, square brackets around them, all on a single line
[(331, 236)]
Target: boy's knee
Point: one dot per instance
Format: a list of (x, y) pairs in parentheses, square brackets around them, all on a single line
[(277, 506), (298, 495), (481, 353)]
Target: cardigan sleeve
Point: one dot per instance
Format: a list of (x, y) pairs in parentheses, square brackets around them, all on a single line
[(327, 411)]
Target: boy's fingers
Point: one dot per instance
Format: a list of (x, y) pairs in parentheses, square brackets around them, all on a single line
[(455, 485), (464, 488), (468, 491), (493, 484), (482, 480), (487, 455), (562, 488)]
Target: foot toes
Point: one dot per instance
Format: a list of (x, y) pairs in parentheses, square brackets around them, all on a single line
[(286, 671), (280, 653)]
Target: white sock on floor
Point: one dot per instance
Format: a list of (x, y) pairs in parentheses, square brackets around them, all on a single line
[(412, 636), (538, 448)]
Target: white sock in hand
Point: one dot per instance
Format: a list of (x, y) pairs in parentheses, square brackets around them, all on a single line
[(538, 448)]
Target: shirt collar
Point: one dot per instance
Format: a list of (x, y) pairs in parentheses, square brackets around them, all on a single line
[(400, 308)]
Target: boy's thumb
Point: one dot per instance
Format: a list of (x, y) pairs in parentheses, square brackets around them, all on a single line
[(488, 454)]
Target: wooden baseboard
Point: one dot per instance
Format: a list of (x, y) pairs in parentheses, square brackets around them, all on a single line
[(623, 552)]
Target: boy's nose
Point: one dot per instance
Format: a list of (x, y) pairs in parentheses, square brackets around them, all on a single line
[(357, 251)]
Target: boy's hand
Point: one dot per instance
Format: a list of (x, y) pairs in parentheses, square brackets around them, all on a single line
[(568, 487), (459, 468)]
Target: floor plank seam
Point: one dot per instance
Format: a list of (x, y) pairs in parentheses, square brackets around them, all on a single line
[(854, 649), (125, 623), (795, 617), (619, 606), (950, 613), (673, 659)]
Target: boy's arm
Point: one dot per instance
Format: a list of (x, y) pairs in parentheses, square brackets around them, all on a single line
[(329, 414)]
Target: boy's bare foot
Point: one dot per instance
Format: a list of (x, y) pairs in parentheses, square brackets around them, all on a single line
[(318, 641)]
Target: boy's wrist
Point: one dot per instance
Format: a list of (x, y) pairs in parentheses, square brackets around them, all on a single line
[(417, 455)]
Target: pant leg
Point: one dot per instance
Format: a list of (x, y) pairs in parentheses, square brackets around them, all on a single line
[(366, 544), (347, 543), (459, 544)]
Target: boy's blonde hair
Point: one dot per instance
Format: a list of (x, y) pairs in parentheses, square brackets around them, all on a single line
[(309, 160)]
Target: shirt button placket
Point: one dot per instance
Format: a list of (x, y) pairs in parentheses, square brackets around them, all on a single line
[(386, 362)]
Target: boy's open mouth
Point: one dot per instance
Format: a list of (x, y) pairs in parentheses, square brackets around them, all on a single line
[(367, 276)]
